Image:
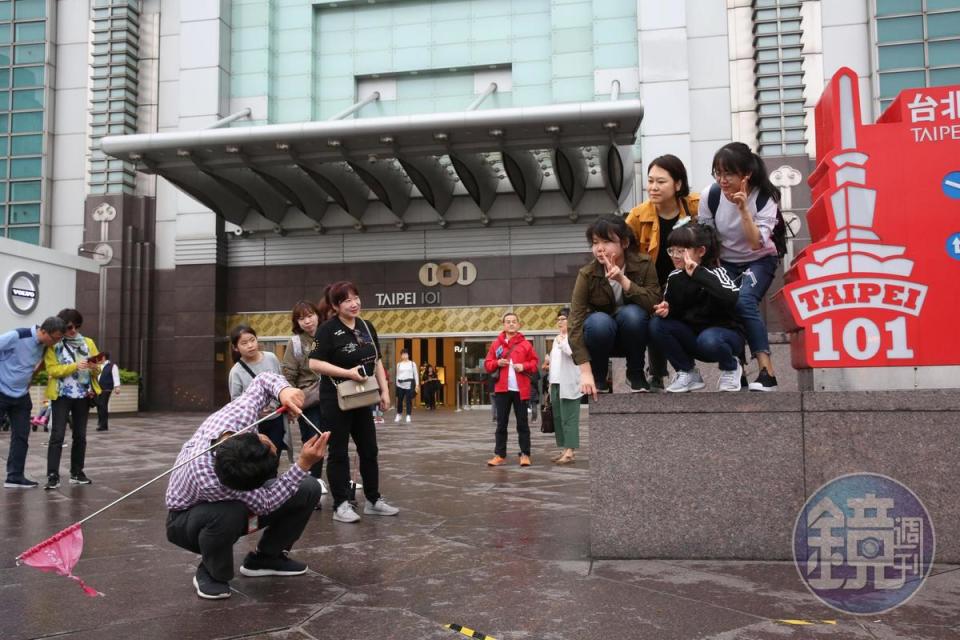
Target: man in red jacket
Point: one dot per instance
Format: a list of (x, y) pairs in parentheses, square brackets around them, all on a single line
[(511, 359)]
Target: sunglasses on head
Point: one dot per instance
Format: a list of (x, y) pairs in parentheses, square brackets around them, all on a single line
[(71, 327)]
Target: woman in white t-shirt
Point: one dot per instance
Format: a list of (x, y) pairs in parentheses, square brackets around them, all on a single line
[(747, 252), (408, 384), (250, 362)]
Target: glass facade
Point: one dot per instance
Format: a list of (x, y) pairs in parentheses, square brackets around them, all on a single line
[(23, 50), (777, 41), (308, 57), (918, 45)]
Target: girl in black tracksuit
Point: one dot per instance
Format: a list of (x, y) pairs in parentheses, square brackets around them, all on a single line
[(697, 319)]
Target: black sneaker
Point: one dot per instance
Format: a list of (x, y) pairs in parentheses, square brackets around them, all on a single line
[(53, 482), (79, 478), (638, 384), (764, 382), (656, 384), (256, 565), (744, 386), (20, 483), (209, 588)]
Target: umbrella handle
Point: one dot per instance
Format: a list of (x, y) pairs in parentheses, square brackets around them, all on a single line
[(277, 412)]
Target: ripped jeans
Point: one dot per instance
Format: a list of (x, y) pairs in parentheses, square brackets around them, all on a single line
[(754, 279)]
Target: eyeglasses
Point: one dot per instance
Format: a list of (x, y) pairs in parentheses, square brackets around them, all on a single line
[(562, 319), (675, 252), (724, 175)]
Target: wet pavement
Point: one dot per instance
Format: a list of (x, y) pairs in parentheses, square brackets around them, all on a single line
[(504, 551)]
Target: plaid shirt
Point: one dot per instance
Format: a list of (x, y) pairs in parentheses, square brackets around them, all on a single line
[(197, 482)]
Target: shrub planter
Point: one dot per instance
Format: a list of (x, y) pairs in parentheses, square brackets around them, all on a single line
[(128, 400)]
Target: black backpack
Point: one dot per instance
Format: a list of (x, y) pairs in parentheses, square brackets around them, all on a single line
[(779, 235)]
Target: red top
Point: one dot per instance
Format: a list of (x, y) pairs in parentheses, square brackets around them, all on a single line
[(519, 350)]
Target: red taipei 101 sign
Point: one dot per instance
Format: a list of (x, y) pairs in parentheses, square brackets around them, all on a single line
[(878, 286)]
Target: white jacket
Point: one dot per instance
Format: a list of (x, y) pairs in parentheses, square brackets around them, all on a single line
[(563, 371), (407, 375)]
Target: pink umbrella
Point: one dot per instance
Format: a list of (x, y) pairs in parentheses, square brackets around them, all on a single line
[(60, 552)]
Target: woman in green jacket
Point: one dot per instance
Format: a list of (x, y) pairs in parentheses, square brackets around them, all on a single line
[(72, 372)]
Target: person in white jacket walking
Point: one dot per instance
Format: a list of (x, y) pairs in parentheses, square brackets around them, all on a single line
[(408, 384), (565, 394)]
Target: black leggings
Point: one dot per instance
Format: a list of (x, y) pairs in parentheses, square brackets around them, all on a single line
[(356, 424)]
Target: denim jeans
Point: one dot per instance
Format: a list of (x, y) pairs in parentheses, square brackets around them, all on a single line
[(624, 334), (404, 398), (754, 279), (682, 345)]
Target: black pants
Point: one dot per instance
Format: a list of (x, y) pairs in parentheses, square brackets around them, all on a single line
[(18, 410), (103, 402), (78, 409), (405, 396), (356, 424), (503, 403), (306, 432), (212, 528)]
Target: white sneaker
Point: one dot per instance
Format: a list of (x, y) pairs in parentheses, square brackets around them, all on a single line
[(323, 487), (686, 381), (345, 513), (408, 418), (397, 419), (379, 508), (730, 380)]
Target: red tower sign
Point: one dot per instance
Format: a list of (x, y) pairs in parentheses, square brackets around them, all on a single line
[(878, 286)]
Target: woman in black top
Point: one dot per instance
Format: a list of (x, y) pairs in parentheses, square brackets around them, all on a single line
[(347, 347)]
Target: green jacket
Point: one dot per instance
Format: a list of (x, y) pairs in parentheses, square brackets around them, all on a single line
[(592, 292)]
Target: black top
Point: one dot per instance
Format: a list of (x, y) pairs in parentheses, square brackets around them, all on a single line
[(664, 263), (706, 299), (345, 348)]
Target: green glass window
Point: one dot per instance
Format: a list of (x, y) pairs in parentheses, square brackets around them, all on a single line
[(944, 53), (28, 53), (28, 99), (27, 9), (28, 77), (25, 191), (896, 7), (25, 213), (26, 145), (4, 78), (24, 234), (901, 56), (26, 122), (943, 25), (31, 31), (4, 121), (5, 33), (898, 29), (935, 5), (4, 101), (5, 55), (893, 83), (942, 77), (6, 10)]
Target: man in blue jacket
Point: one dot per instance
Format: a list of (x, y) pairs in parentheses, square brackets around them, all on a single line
[(20, 352)]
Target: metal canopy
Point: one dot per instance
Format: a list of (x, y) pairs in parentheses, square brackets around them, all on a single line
[(403, 162)]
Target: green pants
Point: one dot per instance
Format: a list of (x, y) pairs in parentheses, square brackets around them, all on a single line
[(566, 419)]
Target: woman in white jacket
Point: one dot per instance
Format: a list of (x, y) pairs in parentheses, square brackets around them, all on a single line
[(565, 394), (408, 384)]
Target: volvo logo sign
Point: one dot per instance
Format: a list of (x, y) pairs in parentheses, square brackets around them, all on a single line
[(23, 292)]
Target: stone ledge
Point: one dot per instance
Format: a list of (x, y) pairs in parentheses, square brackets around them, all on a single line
[(697, 402)]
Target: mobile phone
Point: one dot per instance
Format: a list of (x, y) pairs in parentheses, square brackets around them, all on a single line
[(499, 351)]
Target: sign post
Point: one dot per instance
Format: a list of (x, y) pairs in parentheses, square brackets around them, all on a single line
[(872, 302)]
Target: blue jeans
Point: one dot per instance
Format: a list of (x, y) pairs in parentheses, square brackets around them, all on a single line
[(755, 278), (624, 334), (682, 345)]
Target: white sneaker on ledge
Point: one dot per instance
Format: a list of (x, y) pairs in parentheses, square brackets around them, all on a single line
[(730, 380), (686, 381)]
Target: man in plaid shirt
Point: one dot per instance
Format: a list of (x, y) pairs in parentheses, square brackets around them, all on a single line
[(234, 490)]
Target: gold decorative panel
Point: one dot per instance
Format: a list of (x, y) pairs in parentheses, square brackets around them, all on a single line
[(420, 322)]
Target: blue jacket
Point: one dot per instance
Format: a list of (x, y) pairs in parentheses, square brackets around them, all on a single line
[(20, 351)]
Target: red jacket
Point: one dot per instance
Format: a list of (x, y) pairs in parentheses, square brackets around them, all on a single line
[(522, 353)]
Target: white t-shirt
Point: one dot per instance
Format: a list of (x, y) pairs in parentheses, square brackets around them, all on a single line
[(512, 378), (407, 375), (617, 292)]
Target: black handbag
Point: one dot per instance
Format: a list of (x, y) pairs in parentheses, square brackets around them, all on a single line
[(546, 418)]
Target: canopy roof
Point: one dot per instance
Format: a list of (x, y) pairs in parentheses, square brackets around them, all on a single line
[(347, 164)]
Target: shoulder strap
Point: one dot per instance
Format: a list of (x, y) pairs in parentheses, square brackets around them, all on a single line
[(247, 369), (686, 209), (66, 346), (372, 341), (713, 198), (762, 199)]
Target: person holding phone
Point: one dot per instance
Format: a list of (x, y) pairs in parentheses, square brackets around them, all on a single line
[(72, 383), (347, 347), (109, 380)]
